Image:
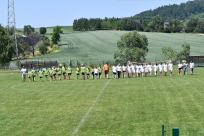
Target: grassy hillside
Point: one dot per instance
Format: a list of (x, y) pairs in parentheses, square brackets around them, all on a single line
[(99, 46)]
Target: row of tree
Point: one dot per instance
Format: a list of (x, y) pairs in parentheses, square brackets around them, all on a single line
[(154, 24), (84, 24), (168, 19), (195, 25)]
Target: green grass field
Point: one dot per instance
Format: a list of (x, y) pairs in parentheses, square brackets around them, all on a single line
[(114, 107), (99, 46)]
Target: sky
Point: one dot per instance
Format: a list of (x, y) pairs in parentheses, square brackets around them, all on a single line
[(44, 13)]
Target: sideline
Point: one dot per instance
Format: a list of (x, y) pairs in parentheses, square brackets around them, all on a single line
[(92, 106)]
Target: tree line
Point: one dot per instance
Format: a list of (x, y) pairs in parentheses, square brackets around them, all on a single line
[(181, 12), (167, 19), (154, 24)]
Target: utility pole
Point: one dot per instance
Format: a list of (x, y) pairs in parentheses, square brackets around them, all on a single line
[(11, 26)]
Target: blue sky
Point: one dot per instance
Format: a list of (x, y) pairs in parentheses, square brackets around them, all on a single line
[(39, 13)]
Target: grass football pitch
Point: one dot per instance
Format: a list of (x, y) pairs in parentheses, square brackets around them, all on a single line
[(114, 107)]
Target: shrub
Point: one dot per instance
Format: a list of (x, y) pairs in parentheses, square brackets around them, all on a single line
[(43, 49), (43, 30)]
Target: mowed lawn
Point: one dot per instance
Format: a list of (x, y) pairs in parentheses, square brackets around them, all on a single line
[(114, 107)]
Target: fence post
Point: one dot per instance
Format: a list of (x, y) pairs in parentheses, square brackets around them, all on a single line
[(175, 131), (163, 131)]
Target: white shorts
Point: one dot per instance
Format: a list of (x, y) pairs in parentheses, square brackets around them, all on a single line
[(160, 71), (129, 71), (133, 71), (165, 70)]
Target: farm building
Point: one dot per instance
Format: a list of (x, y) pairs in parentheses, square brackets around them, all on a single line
[(198, 60)]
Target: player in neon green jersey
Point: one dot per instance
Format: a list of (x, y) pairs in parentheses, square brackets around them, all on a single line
[(77, 72), (64, 71), (87, 72), (59, 72), (83, 72), (69, 71), (30, 74), (46, 72), (99, 72), (40, 74), (33, 73)]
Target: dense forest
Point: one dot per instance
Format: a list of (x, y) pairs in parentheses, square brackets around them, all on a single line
[(167, 19), (180, 12)]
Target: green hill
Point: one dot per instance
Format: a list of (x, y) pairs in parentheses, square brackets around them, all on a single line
[(182, 12), (99, 46)]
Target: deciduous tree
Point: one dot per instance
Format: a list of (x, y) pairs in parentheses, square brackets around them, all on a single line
[(28, 29), (185, 52), (6, 46), (169, 53), (132, 47), (43, 30), (55, 35)]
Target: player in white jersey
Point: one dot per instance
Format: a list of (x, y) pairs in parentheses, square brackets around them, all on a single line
[(191, 65), (124, 69), (114, 71), (170, 66), (150, 69), (155, 69), (95, 72), (180, 68), (128, 70), (165, 68), (142, 69), (132, 68), (160, 68), (138, 70), (119, 68), (146, 67), (23, 70)]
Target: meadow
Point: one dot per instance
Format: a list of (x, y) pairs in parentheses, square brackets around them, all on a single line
[(114, 107), (97, 47)]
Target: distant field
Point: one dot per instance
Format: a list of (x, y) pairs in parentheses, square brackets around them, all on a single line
[(114, 107), (49, 29), (99, 46)]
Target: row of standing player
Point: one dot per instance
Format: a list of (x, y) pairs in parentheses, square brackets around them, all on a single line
[(138, 70), (133, 70), (52, 73)]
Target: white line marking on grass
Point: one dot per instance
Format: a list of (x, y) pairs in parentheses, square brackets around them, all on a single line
[(92, 106)]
